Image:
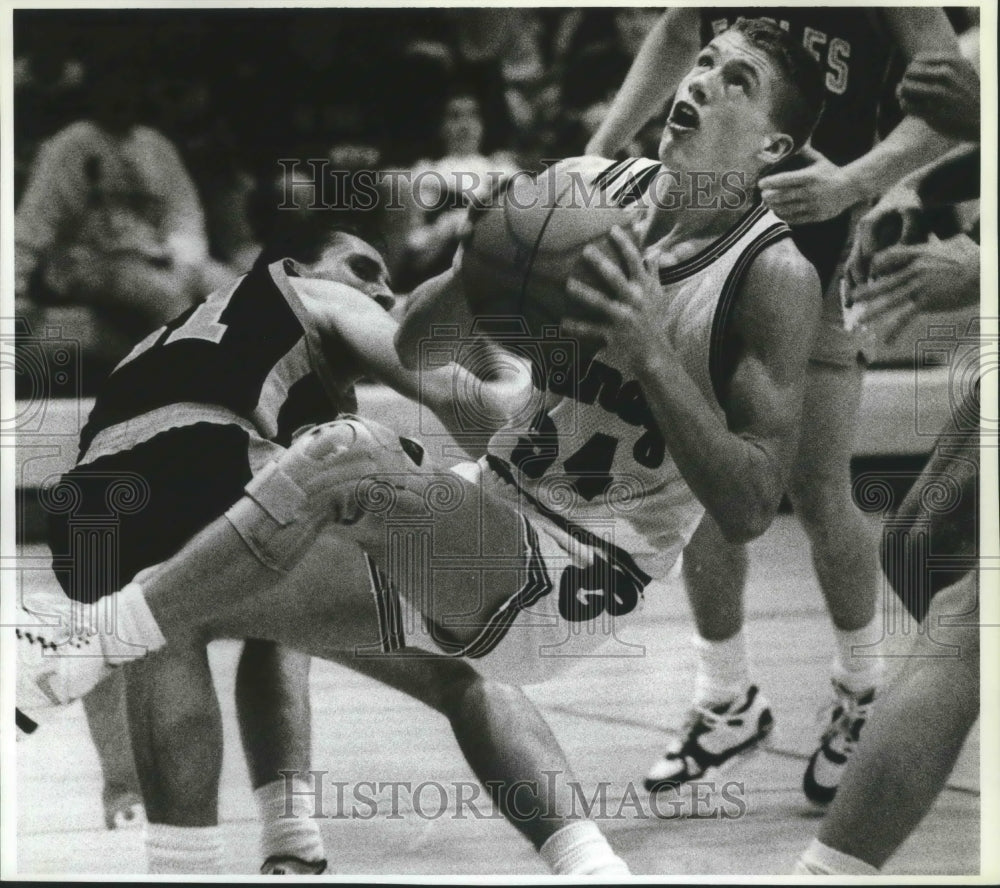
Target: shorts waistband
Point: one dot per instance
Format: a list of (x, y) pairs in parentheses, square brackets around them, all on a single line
[(132, 432)]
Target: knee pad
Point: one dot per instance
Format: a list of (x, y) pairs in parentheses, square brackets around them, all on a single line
[(329, 474)]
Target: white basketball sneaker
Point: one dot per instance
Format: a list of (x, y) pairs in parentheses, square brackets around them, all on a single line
[(56, 664), (848, 714), (712, 737)]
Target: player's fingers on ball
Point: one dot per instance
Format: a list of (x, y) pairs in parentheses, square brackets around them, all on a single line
[(582, 331), (607, 269), (584, 297), (789, 198), (856, 267), (627, 251)]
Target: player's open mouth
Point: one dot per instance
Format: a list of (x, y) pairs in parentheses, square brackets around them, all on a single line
[(683, 117)]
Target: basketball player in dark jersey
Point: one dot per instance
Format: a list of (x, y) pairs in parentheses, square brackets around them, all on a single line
[(841, 169), (179, 429), (181, 425)]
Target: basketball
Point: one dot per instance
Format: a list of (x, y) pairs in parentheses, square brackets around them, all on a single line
[(528, 241)]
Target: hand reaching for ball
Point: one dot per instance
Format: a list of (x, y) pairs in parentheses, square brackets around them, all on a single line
[(610, 304)]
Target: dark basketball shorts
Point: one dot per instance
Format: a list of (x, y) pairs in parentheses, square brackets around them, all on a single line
[(125, 511)]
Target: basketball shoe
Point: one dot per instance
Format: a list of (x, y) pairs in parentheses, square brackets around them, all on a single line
[(289, 865), (713, 736), (56, 664), (848, 714)]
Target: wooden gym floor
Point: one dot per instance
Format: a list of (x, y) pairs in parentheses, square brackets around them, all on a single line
[(608, 714)]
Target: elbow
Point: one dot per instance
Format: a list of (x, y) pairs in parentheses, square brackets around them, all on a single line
[(406, 348)]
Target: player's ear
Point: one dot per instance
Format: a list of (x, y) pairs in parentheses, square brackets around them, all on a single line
[(775, 147)]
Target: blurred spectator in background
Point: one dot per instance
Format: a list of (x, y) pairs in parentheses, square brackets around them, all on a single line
[(442, 188), (184, 104), (595, 67), (110, 223)]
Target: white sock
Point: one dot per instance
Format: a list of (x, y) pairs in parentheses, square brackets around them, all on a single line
[(858, 665), (579, 849), (821, 860), (184, 850), (128, 628), (288, 828), (723, 669)]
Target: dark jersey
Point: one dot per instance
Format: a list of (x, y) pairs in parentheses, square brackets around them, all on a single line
[(249, 351), (853, 46)]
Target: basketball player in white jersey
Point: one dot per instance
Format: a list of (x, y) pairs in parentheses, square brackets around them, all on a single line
[(692, 403)]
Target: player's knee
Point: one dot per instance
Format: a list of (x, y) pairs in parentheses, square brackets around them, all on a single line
[(332, 439), (460, 689), (289, 499), (475, 696)]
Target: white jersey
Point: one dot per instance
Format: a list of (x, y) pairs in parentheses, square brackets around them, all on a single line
[(594, 463)]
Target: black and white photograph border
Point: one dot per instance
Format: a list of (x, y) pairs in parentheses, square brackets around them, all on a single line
[(396, 487)]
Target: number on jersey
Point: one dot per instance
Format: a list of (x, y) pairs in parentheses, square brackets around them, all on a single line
[(589, 468)]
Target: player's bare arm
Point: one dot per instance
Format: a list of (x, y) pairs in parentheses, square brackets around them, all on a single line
[(823, 190), (439, 300), (664, 58), (347, 318), (737, 467)]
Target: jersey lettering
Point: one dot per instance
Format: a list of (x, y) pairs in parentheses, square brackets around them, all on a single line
[(838, 51), (204, 322), (603, 385), (836, 59)]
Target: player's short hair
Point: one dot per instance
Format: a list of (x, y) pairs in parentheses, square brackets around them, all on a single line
[(799, 109), (300, 236)]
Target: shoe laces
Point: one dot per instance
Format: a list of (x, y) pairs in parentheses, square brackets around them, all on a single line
[(69, 632), (699, 720), (845, 715)]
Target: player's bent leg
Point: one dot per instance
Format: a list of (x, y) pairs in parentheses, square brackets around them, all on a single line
[(845, 556), (108, 723), (275, 719), (176, 731), (360, 477), (499, 730), (911, 745), (729, 717)]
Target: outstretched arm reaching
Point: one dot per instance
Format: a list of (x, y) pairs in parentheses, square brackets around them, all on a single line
[(352, 320)]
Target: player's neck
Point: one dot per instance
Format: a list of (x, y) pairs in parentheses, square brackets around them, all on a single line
[(694, 206)]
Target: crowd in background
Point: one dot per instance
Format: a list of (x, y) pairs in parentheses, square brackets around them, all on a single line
[(223, 95)]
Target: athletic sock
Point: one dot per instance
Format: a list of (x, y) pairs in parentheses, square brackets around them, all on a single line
[(128, 628), (821, 860), (288, 828), (184, 850), (723, 669), (858, 666), (580, 849)]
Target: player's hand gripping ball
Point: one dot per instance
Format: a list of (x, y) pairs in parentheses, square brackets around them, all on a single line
[(528, 242)]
